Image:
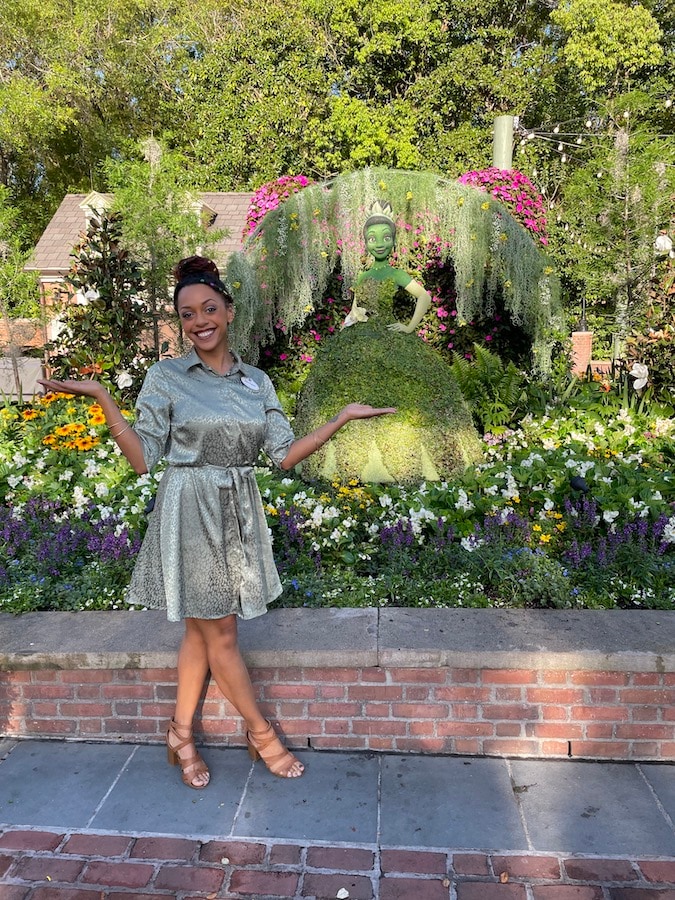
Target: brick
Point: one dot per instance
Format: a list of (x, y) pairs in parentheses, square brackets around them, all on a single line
[(163, 848), (409, 888), (641, 894), (197, 879), (127, 691), (566, 892), (555, 748), (658, 871), (599, 870), (600, 749), (464, 729), (593, 713), (464, 711), (382, 727), (509, 694), (5, 863), (377, 710), (472, 890), (336, 726), (509, 676), (338, 692), (16, 892), (418, 693), (420, 710), (564, 695), (651, 696), (420, 745), (59, 893), (45, 710), (463, 694), (509, 711), (419, 862), (565, 730), (346, 676), (30, 840), (553, 676), (50, 726), (86, 710), (118, 874), (468, 747), (239, 853), (505, 746), (375, 676), (323, 710), (375, 692), (37, 868), (605, 696), (97, 845), (432, 675), (86, 676), (285, 855), (547, 867), (638, 731), (290, 691), (113, 895), (645, 713), (276, 884), (471, 864), (130, 726), (318, 885), (601, 731), (647, 678), (508, 729), (599, 678)]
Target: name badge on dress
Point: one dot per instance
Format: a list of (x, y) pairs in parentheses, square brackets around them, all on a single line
[(250, 384)]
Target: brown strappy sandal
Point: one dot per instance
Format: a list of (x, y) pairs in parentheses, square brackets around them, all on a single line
[(280, 762), (195, 763)]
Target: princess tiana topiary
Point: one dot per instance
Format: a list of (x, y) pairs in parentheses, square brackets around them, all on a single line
[(432, 436)]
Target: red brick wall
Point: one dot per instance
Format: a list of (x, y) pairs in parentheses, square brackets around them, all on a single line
[(490, 712)]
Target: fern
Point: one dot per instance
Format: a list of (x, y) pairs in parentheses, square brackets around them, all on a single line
[(495, 392)]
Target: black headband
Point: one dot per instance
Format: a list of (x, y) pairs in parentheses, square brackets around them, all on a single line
[(211, 280)]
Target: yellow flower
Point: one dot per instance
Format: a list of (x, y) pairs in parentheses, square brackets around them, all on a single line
[(503, 238), (536, 528), (485, 205), (544, 538), (382, 186), (460, 201), (516, 499), (561, 526), (29, 414), (236, 285), (409, 195)]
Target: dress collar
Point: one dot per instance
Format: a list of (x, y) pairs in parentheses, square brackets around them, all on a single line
[(192, 360)]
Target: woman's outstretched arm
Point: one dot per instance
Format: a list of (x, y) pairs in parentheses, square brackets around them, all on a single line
[(305, 446), (120, 430)]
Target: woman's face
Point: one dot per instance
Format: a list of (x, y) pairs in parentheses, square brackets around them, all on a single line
[(204, 316), (379, 241)]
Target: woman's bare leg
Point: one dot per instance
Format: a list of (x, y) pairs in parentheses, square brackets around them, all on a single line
[(231, 675), (193, 667)]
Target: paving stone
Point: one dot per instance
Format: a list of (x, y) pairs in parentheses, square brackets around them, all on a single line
[(275, 884), (163, 848), (527, 867), (97, 844), (285, 855), (417, 862), (472, 890), (52, 868), (600, 870), (14, 892), (190, 878), (566, 892), (326, 887), (661, 871), (346, 859), (642, 894), (118, 874), (30, 840), (471, 864), (54, 893), (239, 853), (419, 888)]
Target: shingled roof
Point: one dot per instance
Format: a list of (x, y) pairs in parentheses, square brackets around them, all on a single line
[(51, 257)]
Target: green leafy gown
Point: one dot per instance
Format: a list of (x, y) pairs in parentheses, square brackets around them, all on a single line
[(431, 438)]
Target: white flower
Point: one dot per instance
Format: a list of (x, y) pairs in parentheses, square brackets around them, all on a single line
[(669, 531), (124, 379), (101, 489), (463, 501), (66, 476), (13, 480), (385, 501), (640, 373), (610, 514)]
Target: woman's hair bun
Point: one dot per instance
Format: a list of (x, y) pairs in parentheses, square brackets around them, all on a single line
[(195, 266)]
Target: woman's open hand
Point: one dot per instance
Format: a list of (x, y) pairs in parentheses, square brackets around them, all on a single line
[(71, 386), (362, 411)]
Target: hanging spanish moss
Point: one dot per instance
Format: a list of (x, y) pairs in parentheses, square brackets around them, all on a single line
[(285, 265)]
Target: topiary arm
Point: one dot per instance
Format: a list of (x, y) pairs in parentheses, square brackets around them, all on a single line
[(421, 307)]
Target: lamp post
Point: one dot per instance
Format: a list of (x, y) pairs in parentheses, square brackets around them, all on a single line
[(502, 143)]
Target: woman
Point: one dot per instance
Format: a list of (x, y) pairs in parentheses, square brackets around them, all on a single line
[(206, 556)]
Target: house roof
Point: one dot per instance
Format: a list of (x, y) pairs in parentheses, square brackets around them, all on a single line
[(51, 256)]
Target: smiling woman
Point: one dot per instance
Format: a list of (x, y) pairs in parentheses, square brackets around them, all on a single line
[(207, 556)]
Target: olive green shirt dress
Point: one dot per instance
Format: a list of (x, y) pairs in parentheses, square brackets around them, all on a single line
[(207, 551)]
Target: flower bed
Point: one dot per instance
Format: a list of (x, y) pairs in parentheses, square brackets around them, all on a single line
[(571, 510)]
